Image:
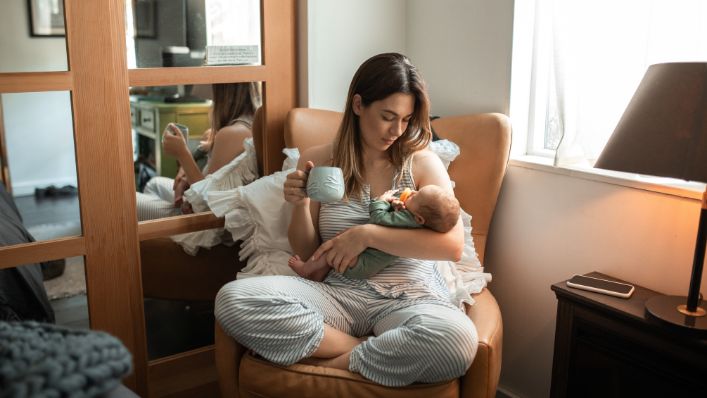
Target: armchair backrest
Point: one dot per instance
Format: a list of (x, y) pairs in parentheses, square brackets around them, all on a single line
[(484, 141)]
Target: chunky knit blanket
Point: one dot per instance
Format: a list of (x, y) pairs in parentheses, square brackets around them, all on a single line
[(44, 360)]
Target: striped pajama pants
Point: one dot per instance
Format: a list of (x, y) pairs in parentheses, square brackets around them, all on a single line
[(281, 318), (157, 201)]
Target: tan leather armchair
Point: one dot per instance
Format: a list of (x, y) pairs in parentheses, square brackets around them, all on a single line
[(484, 140)]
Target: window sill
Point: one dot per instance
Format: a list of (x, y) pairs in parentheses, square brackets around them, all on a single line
[(667, 186)]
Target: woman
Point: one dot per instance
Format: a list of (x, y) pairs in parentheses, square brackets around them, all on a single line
[(234, 105), (419, 335)]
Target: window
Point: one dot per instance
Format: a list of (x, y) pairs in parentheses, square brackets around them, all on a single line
[(576, 65)]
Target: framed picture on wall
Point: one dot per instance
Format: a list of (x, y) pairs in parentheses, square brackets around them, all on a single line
[(46, 18)]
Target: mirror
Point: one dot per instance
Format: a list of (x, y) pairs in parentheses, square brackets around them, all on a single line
[(152, 109), (179, 286), (40, 162), (39, 201), (32, 36), (65, 284), (51, 291), (174, 326), (167, 33)]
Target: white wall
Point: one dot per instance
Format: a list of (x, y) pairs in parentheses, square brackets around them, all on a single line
[(38, 127), (547, 226), (341, 34), (22, 53), (40, 141), (463, 49)]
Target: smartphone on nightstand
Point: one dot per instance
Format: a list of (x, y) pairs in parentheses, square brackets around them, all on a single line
[(602, 286)]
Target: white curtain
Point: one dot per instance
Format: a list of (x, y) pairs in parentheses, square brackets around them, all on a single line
[(589, 57)]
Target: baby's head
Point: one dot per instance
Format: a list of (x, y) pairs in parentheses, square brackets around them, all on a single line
[(434, 207)]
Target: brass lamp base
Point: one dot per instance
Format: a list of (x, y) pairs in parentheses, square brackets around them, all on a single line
[(697, 312), (667, 310)]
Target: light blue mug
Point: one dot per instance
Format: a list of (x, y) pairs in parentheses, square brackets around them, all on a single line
[(325, 184), (184, 129)]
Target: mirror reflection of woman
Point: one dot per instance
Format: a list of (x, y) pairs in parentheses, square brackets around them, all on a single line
[(234, 106)]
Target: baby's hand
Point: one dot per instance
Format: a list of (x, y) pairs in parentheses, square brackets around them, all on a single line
[(388, 196), (397, 204)]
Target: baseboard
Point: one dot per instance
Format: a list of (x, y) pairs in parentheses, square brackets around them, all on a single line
[(502, 392), (23, 188)]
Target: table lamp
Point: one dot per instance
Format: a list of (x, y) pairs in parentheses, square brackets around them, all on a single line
[(663, 132)]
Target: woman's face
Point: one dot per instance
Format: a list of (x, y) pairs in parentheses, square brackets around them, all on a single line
[(383, 121)]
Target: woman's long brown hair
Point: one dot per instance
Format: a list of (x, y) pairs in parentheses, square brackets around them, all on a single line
[(377, 78), (233, 100)]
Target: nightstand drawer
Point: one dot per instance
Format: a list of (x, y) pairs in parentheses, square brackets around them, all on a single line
[(147, 119)]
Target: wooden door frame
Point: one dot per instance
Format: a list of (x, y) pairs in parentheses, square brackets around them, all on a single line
[(4, 166), (98, 79)]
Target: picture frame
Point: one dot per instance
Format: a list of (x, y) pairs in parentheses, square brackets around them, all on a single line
[(46, 18)]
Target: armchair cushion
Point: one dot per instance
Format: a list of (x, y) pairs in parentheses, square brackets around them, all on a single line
[(243, 374), (260, 377)]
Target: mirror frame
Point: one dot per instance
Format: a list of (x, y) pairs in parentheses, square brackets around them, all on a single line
[(98, 79)]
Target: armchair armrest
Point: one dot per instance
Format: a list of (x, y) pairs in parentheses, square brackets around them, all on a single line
[(228, 362), (482, 377)]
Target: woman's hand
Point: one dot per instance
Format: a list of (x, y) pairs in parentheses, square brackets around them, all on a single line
[(180, 185), (295, 185), (341, 252), (173, 143)]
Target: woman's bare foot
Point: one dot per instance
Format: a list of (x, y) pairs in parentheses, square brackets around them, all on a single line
[(339, 362)]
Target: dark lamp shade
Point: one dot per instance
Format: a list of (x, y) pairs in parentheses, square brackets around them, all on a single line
[(663, 131)]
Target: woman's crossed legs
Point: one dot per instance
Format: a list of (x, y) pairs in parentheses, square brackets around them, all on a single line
[(285, 319)]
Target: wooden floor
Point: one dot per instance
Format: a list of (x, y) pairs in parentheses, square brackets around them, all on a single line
[(58, 210), (172, 326)]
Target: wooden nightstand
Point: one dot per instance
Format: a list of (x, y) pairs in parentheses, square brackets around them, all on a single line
[(149, 119), (606, 347)]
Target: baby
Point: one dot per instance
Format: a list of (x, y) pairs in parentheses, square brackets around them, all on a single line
[(431, 207)]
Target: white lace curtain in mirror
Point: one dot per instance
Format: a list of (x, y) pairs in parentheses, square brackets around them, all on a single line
[(41, 162), (163, 33), (32, 37), (589, 57)]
